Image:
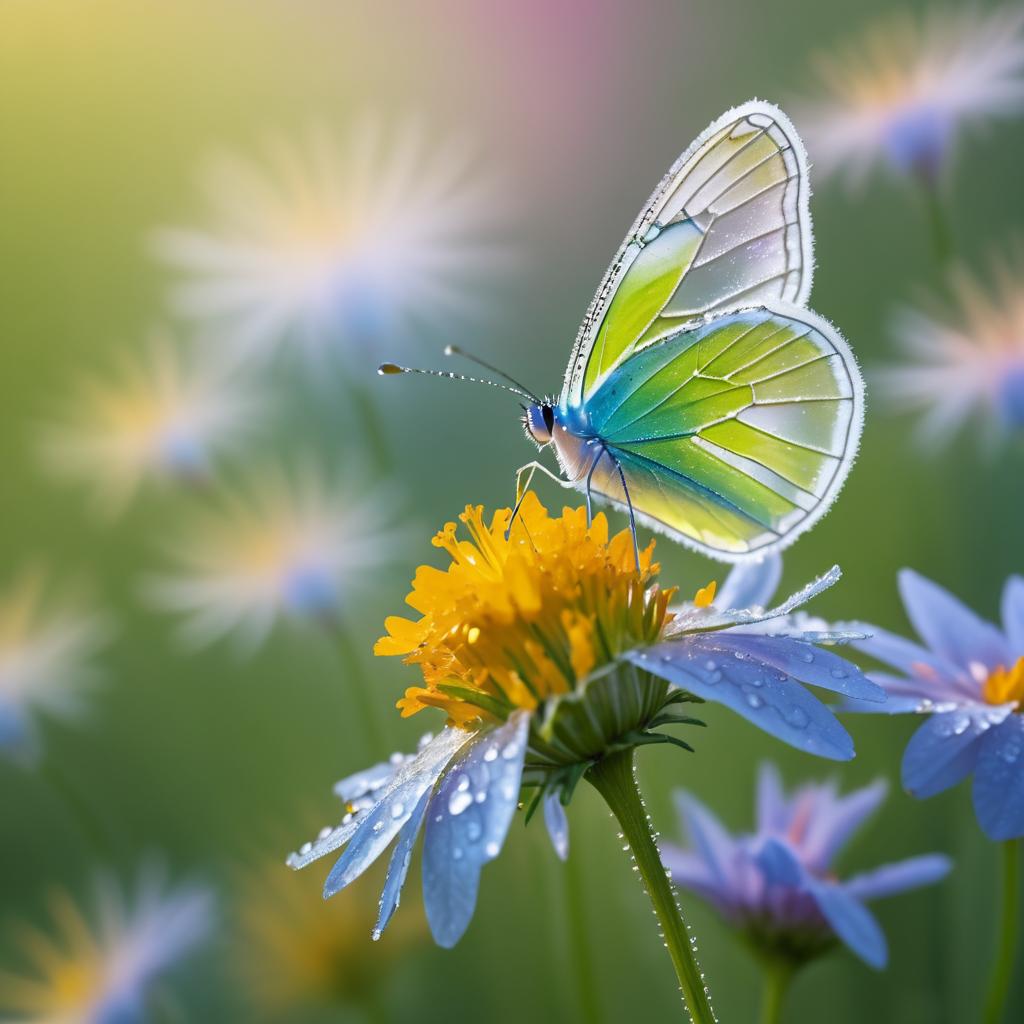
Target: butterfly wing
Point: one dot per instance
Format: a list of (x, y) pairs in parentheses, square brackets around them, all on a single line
[(734, 435), (729, 226)]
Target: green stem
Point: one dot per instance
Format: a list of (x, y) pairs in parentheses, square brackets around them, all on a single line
[(1009, 928), (777, 976), (372, 425), (79, 810), (613, 778), (369, 718), (579, 933), (939, 226)]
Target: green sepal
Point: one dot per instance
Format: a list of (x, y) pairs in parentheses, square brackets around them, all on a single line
[(485, 701)]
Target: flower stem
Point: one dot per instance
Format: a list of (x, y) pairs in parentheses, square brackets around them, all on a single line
[(581, 952), (1009, 927), (777, 976), (938, 222), (614, 779)]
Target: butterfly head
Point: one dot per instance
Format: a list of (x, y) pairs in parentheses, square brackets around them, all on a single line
[(539, 422)]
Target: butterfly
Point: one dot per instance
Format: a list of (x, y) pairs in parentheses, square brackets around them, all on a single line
[(702, 397)]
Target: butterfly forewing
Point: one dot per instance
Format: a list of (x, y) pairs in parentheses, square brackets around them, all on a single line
[(728, 227), (733, 435)]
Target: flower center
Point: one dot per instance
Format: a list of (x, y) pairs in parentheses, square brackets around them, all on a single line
[(515, 620), (1005, 685)]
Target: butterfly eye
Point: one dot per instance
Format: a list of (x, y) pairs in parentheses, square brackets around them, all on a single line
[(549, 417)]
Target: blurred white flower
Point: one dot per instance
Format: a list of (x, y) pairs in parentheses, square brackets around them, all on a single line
[(278, 545), (327, 243), (159, 415), (901, 94), (102, 971), (964, 360), (45, 650)]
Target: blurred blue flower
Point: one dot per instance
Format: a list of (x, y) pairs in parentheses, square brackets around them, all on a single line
[(278, 544), (159, 415), (903, 93), (968, 678), (963, 359), (102, 972), (541, 714), (46, 649), (777, 885), (328, 245)]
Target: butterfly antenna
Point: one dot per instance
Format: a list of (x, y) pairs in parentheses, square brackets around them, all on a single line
[(388, 369), (454, 350)]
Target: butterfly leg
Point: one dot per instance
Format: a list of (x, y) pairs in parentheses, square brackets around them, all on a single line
[(590, 477), (521, 491), (632, 520)]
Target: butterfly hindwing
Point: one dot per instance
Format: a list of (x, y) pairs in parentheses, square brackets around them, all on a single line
[(733, 435), (729, 226)]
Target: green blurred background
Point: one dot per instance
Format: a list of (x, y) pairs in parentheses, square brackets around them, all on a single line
[(105, 110)]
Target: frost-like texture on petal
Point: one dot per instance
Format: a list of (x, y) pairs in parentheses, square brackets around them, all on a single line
[(557, 824), (948, 626), (467, 822), (944, 750), (891, 879), (398, 868), (999, 781), (394, 808), (805, 662), (751, 584), (419, 771), (765, 697)]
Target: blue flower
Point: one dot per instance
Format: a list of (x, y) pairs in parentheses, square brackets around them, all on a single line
[(549, 649), (777, 885), (968, 678)]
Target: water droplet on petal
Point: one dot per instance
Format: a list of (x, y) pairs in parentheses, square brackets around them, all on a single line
[(459, 801)]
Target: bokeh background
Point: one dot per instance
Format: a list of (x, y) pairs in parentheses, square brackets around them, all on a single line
[(212, 759)]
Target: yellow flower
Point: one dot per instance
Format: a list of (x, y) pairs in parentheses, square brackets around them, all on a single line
[(294, 950), (517, 619), (84, 971)]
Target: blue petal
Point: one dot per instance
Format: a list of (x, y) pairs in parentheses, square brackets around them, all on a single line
[(902, 876), (805, 662), (370, 780), (852, 922), (835, 822), (771, 799), (707, 834), (395, 807), (751, 584), (777, 705), (999, 781), (943, 751), (557, 824), (398, 868), (467, 821), (897, 651), (1013, 614), (781, 866), (948, 626)]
